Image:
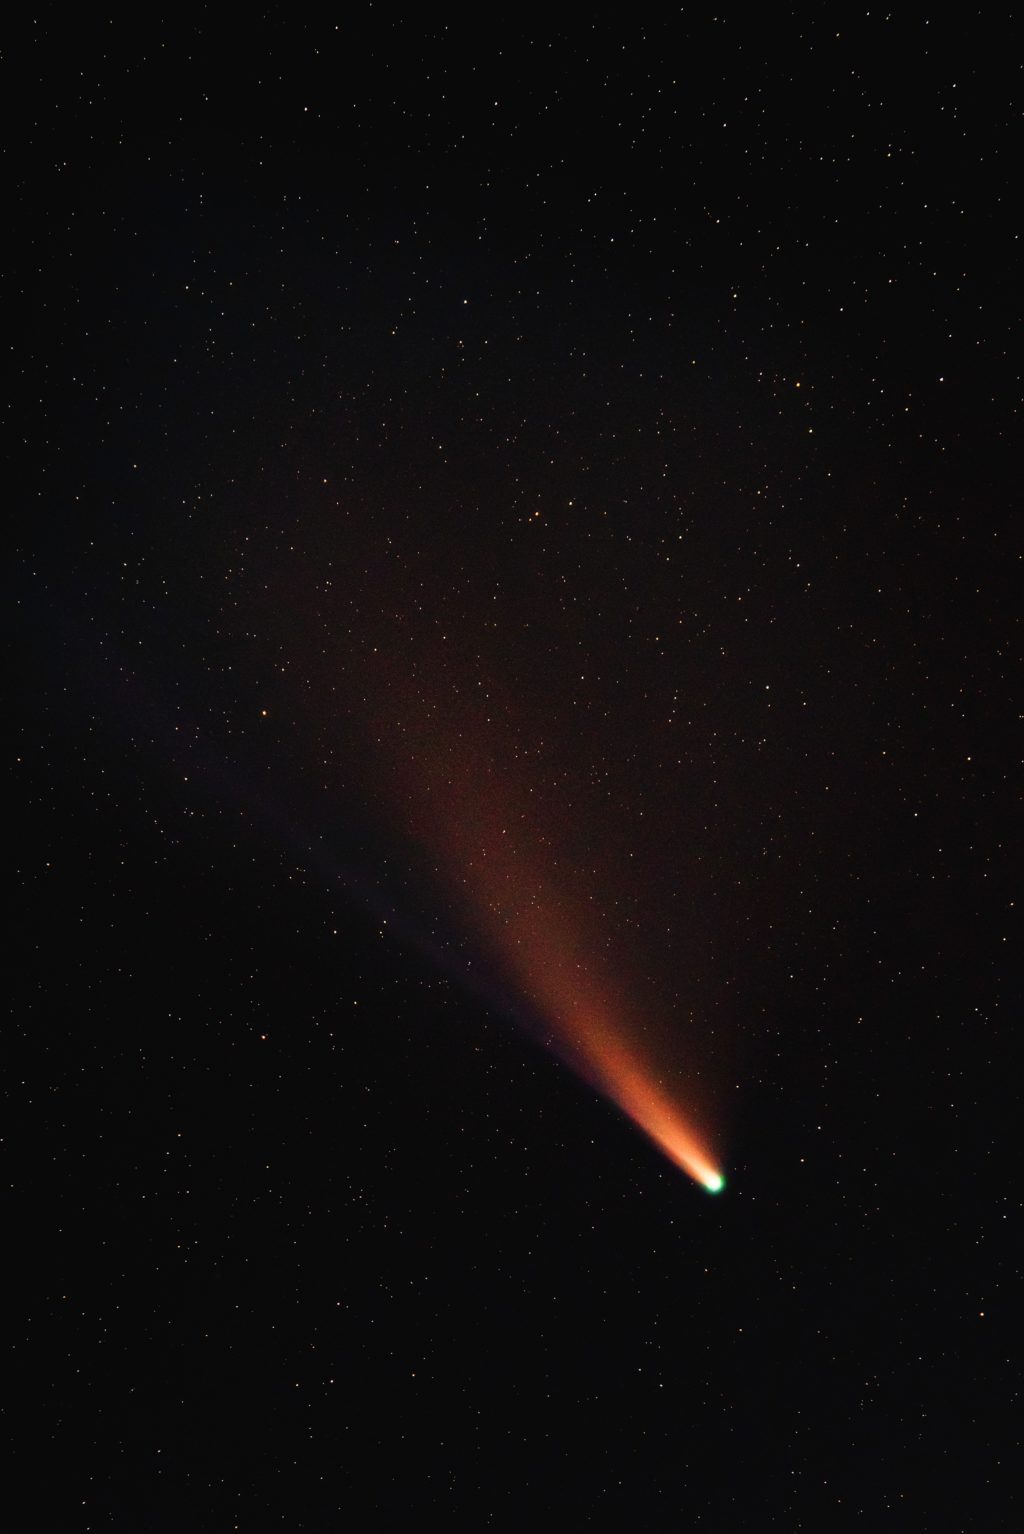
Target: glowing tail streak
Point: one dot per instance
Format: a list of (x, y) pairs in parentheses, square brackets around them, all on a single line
[(546, 941), (629, 1084), (598, 1046)]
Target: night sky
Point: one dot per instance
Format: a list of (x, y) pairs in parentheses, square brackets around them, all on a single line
[(515, 654)]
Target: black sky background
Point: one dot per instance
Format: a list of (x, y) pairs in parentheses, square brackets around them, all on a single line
[(650, 388)]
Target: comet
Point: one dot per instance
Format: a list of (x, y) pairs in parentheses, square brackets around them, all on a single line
[(497, 842)]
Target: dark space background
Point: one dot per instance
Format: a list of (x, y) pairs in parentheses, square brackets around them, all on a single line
[(661, 377)]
